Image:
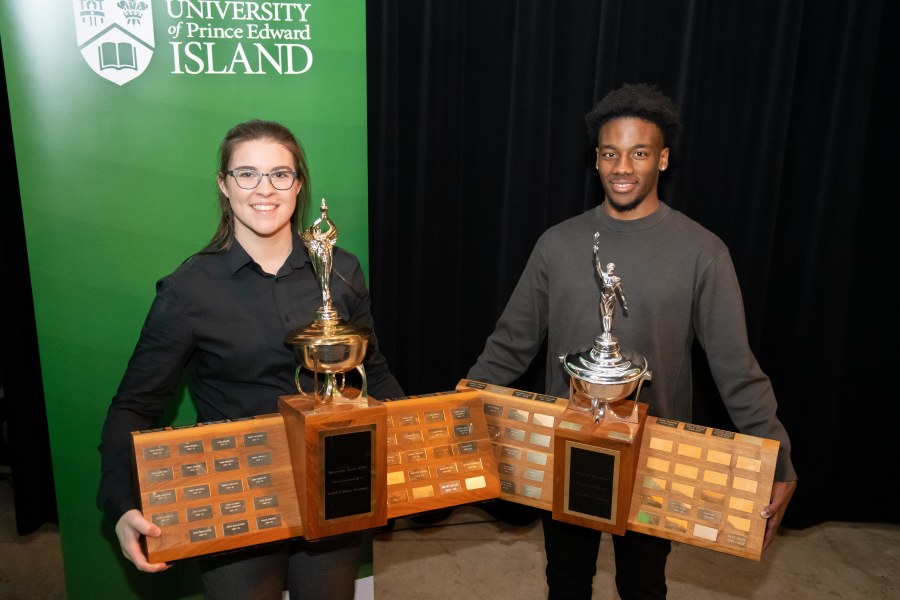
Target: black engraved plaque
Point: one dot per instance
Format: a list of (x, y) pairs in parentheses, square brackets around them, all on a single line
[(194, 492), (260, 438), (160, 474), (227, 464), (347, 474), (258, 481), (233, 508), (461, 412), (202, 534), (591, 482), (235, 527), (224, 443), (165, 519), (192, 447), (156, 452), (259, 460)]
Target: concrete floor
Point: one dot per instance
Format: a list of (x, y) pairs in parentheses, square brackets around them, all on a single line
[(470, 555), (31, 566)]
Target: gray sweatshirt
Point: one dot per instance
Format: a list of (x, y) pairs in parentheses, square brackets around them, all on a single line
[(679, 283)]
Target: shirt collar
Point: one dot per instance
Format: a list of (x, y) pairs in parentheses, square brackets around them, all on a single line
[(628, 226), (236, 258)]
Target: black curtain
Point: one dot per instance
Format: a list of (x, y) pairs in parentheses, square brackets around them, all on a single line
[(477, 144), (24, 437)]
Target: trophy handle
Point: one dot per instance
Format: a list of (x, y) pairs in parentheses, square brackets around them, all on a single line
[(331, 383), (599, 409), (326, 393), (297, 379), (315, 384), (637, 394), (363, 391)]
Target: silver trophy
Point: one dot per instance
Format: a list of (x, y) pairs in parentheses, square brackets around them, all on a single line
[(603, 373), (328, 346)]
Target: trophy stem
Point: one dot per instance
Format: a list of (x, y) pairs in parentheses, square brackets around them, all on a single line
[(327, 314)]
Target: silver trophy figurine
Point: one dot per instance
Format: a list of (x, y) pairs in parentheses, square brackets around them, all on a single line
[(603, 372), (328, 346)]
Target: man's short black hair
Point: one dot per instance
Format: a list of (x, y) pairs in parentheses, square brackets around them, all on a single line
[(636, 100)]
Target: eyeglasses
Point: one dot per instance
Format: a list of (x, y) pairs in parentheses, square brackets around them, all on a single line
[(248, 179)]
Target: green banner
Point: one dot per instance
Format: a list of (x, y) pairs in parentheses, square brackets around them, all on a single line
[(117, 110)]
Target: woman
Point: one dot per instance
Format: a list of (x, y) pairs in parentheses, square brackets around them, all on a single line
[(219, 323)]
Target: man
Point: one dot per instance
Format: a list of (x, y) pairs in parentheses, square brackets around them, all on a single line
[(681, 285)]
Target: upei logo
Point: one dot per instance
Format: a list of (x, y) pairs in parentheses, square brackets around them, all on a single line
[(115, 37)]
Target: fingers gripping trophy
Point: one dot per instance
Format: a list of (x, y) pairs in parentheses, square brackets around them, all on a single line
[(603, 373), (328, 346)]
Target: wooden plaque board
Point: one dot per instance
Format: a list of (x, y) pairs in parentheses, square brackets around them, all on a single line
[(438, 453), (216, 487), (594, 469), (703, 486), (521, 426), (338, 457)]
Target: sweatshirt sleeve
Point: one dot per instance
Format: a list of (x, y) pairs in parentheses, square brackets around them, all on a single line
[(521, 328), (720, 326)]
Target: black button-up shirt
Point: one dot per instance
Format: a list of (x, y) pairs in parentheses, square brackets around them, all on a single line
[(219, 321)]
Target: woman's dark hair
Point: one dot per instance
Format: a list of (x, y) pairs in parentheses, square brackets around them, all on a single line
[(249, 131)]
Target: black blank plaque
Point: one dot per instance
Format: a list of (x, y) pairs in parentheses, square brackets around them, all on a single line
[(591, 482), (347, 474)]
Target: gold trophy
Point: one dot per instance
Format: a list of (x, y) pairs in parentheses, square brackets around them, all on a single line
[(328, 346), (337, 439)]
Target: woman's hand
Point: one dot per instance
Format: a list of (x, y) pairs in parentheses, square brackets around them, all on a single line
[(131, 526)]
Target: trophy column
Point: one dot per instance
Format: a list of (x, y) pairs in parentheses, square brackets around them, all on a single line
[(337, 436)]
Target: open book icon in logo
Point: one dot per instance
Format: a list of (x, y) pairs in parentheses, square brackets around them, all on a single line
[(121, 55)]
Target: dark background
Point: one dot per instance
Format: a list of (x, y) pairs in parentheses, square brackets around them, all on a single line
[(477, 144)]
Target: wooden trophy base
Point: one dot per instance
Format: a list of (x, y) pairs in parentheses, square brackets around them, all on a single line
[(438, 453), (216, 487), (338, 456), (703, 486), (320, 470), (595, 468)]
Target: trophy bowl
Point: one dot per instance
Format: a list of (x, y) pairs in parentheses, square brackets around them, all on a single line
[(607, 392), (602, 374), (329, 347)]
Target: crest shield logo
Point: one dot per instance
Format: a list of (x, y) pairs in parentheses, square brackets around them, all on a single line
[(115, 37)]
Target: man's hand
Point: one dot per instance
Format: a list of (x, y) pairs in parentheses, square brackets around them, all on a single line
[(129, 529), (774, 512)]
